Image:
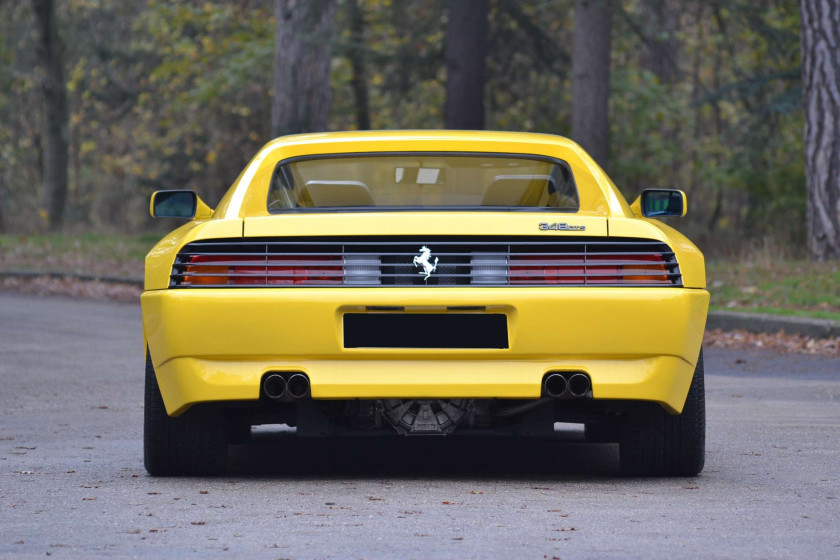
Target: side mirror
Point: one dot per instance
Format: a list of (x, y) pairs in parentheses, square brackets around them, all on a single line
[(656, 203), (178, 204)]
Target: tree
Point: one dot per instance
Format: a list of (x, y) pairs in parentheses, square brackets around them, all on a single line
[(51, 56), (176, 94), (659, 51), (302, 92), (466, 54), (357, 60), (820, 23), (591, 77)]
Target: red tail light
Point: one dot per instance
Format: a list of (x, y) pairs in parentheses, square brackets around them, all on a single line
[(546, 270), (593, 269), (229, 270)]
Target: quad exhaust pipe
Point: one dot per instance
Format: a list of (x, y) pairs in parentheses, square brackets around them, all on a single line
[(274, 387), (579, 385), (555, 385), (566, 385), (285, 387), (298, 386)]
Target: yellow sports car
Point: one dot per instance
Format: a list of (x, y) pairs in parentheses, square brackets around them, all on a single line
[(424, 283)]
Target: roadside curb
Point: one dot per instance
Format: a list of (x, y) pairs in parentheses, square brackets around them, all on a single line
[(723, 320), (763, 323), (72, 276)]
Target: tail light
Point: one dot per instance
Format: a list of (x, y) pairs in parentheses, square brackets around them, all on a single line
[(369, 262), (547, 270), (645, 269), (612, 268), (229, 270)]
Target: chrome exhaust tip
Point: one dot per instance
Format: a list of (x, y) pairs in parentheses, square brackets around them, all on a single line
[(555, 385), (274, 387), (298, 386)]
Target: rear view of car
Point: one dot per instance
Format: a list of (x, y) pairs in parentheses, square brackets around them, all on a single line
[(424, 283)]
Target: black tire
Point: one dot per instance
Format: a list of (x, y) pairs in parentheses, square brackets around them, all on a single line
[(655, 443), (194, 443)]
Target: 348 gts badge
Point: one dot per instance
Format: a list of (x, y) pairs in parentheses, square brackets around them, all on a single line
[(560, 226)]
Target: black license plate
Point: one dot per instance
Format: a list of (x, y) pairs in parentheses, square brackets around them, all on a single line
[(425, 330)]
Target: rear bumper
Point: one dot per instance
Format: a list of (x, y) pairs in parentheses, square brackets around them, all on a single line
[(216, 344)]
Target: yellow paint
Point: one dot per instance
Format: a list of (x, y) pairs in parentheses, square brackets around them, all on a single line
[(199, 333), (215, 344)]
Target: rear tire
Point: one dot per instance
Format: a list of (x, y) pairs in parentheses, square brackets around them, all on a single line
[(194, 443), (655, 443)]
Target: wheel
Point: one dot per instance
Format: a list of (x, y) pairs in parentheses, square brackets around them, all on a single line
[(655, 443), (194, 443)]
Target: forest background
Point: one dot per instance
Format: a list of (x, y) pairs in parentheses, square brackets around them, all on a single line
[(705, 96)]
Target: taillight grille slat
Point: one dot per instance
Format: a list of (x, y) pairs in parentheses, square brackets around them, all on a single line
[(483, 261)]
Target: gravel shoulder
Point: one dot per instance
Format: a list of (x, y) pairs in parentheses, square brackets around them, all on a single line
[(72, 482)]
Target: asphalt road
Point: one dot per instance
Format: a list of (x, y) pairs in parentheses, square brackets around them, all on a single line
[(72, 483)]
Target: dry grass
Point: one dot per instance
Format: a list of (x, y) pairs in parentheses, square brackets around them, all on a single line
[(73, 288), (104, 255), (771, 278), (781, 342)]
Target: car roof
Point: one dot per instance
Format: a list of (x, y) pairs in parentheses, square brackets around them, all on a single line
[(532, 138), (248, 194)]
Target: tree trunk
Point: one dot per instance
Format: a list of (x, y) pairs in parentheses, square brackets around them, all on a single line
[(466, 56), (820, 21), (659, 52), (302, 66), (51, 56), (591, 78), (402, 55), (357, 61), (2, 219)]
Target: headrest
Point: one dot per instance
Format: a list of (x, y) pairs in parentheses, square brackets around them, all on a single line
[(337, 193), (517, 190)]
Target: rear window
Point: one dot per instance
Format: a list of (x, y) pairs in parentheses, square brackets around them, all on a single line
[(423, 181)]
